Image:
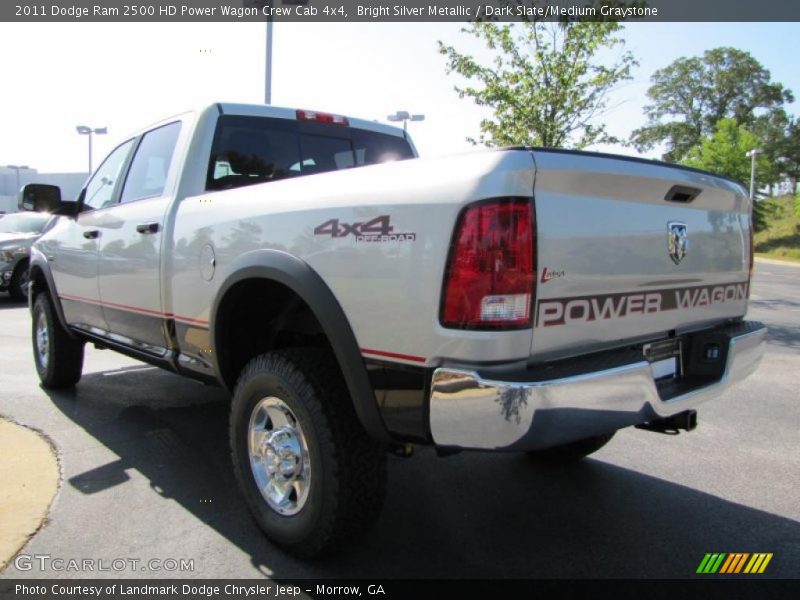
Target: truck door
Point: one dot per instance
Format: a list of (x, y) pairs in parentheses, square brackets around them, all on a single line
[(130, 244), (74, 257)]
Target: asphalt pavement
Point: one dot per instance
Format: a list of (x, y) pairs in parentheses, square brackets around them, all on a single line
[(146, 477)]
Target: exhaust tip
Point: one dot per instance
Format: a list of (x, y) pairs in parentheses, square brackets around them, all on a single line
[(686, 421)]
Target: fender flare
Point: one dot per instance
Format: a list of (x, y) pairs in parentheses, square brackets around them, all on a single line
[(38, 264), (298, 276)]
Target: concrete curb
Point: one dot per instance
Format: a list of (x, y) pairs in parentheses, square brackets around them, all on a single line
[(30, 474), (774, 261)]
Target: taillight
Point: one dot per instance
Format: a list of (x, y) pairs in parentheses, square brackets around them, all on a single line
[(490, 271), (312, 115)]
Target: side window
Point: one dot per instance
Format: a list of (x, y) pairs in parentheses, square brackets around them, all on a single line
[(150, 166), (99, 193), (249, 150)]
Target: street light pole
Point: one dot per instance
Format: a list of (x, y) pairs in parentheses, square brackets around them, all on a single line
[(86, 130), (268, 67), (268, 74), (751, 154), (405, 117)]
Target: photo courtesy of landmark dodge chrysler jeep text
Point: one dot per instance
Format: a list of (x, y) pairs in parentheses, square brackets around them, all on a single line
[(524, 299)]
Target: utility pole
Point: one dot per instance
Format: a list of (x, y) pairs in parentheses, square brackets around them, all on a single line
[(751, 154), (86, 130), (268, 74), (268, 53)]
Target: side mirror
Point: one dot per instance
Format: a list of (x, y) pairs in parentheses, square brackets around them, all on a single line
[(42, 197)]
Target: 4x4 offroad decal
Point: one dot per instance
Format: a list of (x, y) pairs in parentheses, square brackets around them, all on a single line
[(378, 229)]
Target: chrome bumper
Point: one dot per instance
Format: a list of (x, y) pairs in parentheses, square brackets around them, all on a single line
[(468, 411)]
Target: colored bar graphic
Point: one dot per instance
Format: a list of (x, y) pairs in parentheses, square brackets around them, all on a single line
[(711, 563), (703, 563), (717, 564), (734, 563), (727, 564), (731, 563), (755, 562), (765, 563), (742, 558)]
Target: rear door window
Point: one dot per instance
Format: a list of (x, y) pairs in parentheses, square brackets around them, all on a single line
[(249, 150), (148, 171)]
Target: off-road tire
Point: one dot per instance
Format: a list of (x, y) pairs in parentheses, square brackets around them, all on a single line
[(63, 365), (18, 286), (348, 468), (572, 452)]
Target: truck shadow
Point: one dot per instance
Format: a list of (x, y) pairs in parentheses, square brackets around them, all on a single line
[(470, 515), (777, 313)]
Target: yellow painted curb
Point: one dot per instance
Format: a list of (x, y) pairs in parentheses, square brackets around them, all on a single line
[(29, 476)]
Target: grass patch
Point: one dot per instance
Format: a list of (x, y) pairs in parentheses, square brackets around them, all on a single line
[(781, 237)]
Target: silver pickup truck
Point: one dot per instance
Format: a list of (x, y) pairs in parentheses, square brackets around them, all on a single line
[(357, 300)]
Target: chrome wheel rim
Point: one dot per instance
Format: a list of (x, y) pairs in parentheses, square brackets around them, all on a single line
[(42, 339), (279, 457)]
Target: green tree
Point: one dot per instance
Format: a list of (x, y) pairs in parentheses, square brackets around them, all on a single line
[(725, 153), (544, 84), (772, 130), (790, 154), (691, 95)]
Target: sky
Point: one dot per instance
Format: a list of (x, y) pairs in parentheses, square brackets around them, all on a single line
[(126, 75)]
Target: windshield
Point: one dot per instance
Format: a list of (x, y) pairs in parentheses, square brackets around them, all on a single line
[(23, 223)]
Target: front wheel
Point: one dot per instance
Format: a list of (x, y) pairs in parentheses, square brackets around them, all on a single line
[(310, 474), (572, 451), (57, 356)]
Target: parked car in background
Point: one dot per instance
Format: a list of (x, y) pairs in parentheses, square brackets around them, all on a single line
[(18, 231)]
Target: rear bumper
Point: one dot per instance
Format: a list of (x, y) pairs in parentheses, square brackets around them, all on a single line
[(470, 410)]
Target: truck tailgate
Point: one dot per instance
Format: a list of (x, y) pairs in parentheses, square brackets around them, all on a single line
[(630, 250)]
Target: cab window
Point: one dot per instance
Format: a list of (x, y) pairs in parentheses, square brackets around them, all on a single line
[(99, 192)]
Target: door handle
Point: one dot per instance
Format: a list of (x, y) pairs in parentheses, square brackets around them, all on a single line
[(91, 234), (147, 227)]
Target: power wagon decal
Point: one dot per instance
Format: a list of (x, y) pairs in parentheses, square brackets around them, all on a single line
[(561, 311), (378, 229)]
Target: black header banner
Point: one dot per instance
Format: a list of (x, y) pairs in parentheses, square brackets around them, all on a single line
[(397, 10)]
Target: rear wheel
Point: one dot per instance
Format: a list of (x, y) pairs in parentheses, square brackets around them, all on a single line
[(573, 451), (18, 286), (310, 474), (57, 356)]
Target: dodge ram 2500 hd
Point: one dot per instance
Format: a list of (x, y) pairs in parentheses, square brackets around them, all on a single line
[(522, 299)]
